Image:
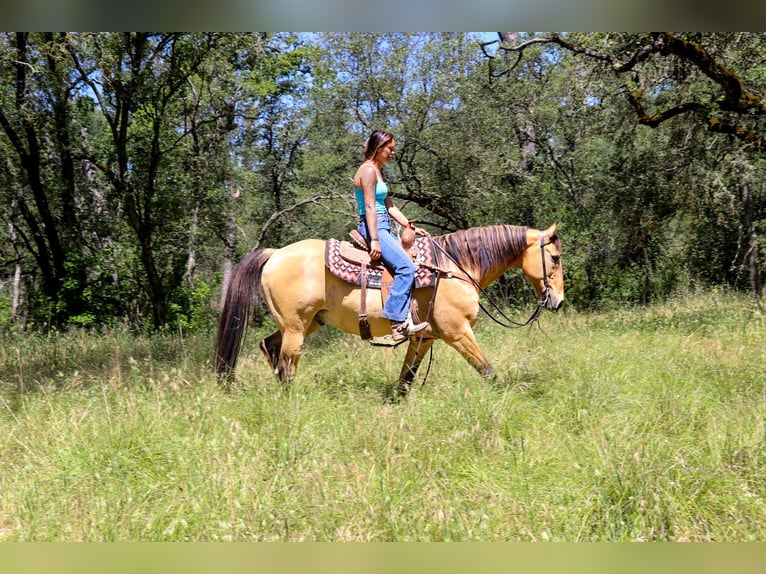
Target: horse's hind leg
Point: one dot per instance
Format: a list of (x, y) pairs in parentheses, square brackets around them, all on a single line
[(416, 351), (270, 347), (283, 350), (289, 354)]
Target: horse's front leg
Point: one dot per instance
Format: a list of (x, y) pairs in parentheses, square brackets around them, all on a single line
[(465, 344), (416, 351)]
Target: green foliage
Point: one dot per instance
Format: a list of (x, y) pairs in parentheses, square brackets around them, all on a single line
[(149, 153), (191, 311), (6, 303)]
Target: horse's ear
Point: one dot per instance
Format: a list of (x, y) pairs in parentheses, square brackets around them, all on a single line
[(551, 231)]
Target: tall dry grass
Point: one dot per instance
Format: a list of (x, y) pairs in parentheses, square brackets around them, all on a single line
[(639, 424)]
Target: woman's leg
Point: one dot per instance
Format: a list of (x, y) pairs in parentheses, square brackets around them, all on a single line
[(397, 304)]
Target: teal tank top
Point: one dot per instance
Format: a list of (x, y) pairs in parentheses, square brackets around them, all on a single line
[(381, 192)]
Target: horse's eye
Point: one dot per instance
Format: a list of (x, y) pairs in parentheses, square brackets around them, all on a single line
[(555, 259)]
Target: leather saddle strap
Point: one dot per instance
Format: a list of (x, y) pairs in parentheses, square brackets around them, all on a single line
[(386, 282), (364, 324)]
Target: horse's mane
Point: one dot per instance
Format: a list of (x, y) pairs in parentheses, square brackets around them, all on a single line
[(480, 250)]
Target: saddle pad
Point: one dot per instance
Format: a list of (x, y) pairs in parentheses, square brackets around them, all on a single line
[(421, 252)]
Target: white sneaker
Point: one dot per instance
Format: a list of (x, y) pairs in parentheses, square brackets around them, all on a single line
[(401, 330)]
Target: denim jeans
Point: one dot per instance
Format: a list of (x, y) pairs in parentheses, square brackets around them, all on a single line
[(397, 305)]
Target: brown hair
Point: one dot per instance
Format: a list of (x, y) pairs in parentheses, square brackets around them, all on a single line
[(377, 139)]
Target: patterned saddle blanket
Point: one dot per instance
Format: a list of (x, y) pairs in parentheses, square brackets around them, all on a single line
[(343, 260)]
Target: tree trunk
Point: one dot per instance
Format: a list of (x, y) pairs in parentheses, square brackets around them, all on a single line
[(191, 261), (230, 242), (144, 233), (16, 296), (752, 255)]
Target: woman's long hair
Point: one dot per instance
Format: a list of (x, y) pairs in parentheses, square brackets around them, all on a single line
[(376, 140)]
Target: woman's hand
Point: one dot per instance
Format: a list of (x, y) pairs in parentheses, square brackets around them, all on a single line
[(375, 249)]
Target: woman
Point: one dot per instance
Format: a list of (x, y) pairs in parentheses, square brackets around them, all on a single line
[(376, 209)]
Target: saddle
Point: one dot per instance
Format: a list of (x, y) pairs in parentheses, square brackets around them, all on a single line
[(351, 262), (345, 260)]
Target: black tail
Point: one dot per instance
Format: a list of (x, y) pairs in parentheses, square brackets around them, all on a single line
[(243, 294)]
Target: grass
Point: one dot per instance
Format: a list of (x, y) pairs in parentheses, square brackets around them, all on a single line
[(634, 425)]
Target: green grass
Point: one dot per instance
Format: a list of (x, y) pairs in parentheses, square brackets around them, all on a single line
[(639, 424)]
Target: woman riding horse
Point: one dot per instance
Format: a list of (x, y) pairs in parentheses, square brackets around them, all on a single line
[(376, 209), (302, 295)]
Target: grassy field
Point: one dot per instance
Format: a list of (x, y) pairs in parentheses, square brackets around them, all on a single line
[(634, 425)]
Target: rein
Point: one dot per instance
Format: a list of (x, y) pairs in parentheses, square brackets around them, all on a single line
[(509, 323)]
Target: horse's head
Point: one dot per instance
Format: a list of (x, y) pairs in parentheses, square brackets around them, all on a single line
[(542, 266)]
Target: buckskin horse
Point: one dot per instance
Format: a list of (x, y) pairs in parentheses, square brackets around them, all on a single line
[(303, 294)]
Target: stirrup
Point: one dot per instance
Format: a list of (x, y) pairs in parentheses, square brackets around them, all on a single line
[(405, 329), (412, 327)]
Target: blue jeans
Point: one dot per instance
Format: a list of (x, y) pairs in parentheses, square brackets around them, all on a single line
[(397, 305)]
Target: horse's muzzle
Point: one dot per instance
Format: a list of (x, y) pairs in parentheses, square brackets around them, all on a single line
[(553, 301)]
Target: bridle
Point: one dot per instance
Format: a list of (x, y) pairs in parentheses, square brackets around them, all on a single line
[(546, 294), (507, 321)]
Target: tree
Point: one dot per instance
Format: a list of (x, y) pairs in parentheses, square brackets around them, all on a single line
[(119, 160), (139, 81), (716, 80), (165, 100), (43, 177), (422, 88)]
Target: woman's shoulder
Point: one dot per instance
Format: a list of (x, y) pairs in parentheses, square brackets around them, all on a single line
[(367, 171)]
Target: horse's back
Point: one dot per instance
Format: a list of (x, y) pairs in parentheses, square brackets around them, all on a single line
[(302, 248), (297, 286), (302, 261)]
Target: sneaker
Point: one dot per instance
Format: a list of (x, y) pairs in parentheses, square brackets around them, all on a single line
[(401, 330)]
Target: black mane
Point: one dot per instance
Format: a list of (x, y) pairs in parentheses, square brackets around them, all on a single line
[(481, 249)]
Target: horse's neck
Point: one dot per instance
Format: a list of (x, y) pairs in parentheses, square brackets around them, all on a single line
[(496, 271), (503, 263), (491, 251)]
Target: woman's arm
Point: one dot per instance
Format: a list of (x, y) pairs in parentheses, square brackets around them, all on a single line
[(397, 215), (369, 181)]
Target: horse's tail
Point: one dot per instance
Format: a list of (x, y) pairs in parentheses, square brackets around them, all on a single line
[(243, 294)]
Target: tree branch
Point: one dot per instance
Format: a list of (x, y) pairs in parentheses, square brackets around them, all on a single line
[(276, 215), (656, 119), (735, 98)]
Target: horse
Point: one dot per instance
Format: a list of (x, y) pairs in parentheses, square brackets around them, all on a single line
[(302, 295)]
